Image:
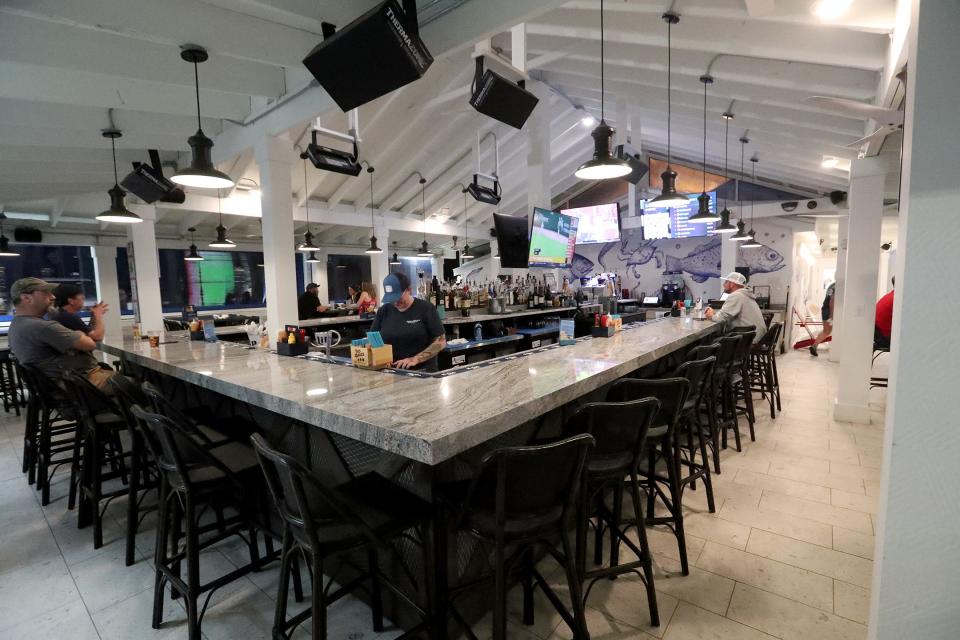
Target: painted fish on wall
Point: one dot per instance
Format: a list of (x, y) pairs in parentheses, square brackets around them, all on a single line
[(704, 261), (633, 251), (580, 266)]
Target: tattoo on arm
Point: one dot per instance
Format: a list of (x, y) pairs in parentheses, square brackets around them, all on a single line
[(435, 347)]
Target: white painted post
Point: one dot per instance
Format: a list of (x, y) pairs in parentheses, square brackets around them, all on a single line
[(915, 578), (867, 176), (108, 289), (836, 345), (274, 157), (146, 266), (318, 274), (380, 262), (538, 152)]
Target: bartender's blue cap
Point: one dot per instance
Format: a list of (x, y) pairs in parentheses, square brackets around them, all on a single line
[(393, 287)]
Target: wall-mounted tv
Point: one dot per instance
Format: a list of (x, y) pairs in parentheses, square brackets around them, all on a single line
[(674, 222), (512, 240), (597, 224), (552, 239)]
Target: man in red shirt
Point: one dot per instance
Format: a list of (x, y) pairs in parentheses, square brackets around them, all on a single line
[(883, 324)]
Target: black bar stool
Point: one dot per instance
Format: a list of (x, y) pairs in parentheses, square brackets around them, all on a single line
[(521, 497), (708, 402), (197, 417), (691, 438), (194, 479), (320, 521), (740, 378), (661, 449), (11, 388), (620, 432), (764, 377), (722, 390)]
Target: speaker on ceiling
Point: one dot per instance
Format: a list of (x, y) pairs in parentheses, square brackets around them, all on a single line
[(503, 100), (631, 156), (838, 197), (378, 52), (27, 234)]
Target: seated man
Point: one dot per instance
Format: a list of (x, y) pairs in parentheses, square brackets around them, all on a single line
[(740, 309), (46, 344), (308, 304), (70, 301), (883, 322)]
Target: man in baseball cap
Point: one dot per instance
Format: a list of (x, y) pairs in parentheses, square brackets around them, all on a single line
[(46, 344), (740, 309)]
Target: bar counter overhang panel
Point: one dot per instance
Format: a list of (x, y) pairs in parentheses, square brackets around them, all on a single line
[(428, 420)]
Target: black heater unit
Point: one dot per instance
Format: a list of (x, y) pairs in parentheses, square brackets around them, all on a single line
[(27, 234), (378, 52), (335, 160), (146, 181), (631, 156), (495, 96), (483, 193)]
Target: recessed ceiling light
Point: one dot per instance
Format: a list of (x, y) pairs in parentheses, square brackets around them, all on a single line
[(831, 9)]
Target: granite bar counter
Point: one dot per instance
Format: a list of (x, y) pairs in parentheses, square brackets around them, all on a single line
[(428, 420)]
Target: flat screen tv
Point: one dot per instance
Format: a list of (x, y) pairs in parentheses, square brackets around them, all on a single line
[(552, 239), (512, 240), (674, 222), (597, 224)]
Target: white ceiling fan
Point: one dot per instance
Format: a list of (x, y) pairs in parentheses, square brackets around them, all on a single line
[(888, 120)]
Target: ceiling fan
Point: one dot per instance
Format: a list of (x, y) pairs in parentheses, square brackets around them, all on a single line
[(888, 120)]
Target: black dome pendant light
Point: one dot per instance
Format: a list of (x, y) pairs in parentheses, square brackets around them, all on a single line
[(222, 242), (741, 234), (201, 172), (307, 244), (603, 165), (725, 227), (5, 250), (424, 247), (752, 242), (395, 259), (118, 211), (668, 188), (703, 214), (373, 249), (466, 255), (193, 255)]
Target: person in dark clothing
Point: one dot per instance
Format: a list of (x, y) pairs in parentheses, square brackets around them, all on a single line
[(69, 301), (410, 325), (308, 304), (826, 313)]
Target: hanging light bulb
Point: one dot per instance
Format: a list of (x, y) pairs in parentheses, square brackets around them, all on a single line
[(741, 235), (703, 214), (424, 247), (118, 211), (221, 242), (373, 248), (193, 255), (307, 244), (725, 227), (668, 189), (466, 255), (395, 259), (201, 172), (603, 165), (5, 250), (752, 242)]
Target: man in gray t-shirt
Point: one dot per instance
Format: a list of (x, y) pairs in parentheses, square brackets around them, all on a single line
[(46, 344)]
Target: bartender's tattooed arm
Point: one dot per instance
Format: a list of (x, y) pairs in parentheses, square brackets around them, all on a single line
[(435, 347)]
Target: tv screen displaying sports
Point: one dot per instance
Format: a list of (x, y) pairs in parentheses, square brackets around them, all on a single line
[(512, 241), (674, 222), (552, 238), (597, 224)]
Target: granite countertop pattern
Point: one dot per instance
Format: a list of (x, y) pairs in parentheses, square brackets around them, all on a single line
[(424, 419)]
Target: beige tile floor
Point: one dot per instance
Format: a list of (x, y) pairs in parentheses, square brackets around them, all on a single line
[(788, 554)]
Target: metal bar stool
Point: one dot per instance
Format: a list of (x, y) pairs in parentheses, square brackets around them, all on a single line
[(740, 378), (11, 388), (708, 402), (722, 389), (698, 373), (764, 377)]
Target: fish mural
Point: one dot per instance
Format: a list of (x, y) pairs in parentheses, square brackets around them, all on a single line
[(633, 252), (704, 261), (580, 266)]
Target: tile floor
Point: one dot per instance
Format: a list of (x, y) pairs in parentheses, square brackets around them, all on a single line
[(787, 555)]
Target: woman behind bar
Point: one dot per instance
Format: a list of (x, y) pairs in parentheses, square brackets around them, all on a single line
[(367, 302), (410, 325)]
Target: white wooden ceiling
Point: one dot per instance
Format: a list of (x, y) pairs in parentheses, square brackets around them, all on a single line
[(64, 63)]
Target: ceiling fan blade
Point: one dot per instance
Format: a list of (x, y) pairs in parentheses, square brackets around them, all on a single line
[(877, 135), (857, 109)]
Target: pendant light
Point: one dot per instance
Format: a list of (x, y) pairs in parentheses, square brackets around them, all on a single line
[(312, 258), (741, 234), (424, 247), (192, 255), (603, 165), (307, 244), (725, 227), (201, 172), (221, 242), (5, 250), (395, 259), (118, 211), (373, 249), (752, 242), (466, 255), (668, 188), (703, 214)]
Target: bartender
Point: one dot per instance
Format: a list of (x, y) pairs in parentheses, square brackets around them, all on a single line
[(308, 304), (410, 325)]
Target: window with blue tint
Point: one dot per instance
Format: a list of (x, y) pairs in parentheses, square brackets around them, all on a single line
[(419, 270), (53, 263), (123, 282), (223, 280), (346, 271)]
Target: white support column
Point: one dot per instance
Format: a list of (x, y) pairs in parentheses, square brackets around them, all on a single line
[(836, 345), (380, 262), (108, 289), (146, 266), (915, 579), (273, 156), (318, 274), (867, 176), (538, 152)]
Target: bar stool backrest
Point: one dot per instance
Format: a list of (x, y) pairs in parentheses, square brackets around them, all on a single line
[(88, 399), (742, 352), (670, 392), (538, 482), (128, 395), (617, 427), (698, 373), (725, 354), (45, 390), (162, 405), (304, 501), (702, 351)]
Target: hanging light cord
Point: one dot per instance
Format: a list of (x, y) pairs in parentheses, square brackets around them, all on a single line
[(219, 209), (669, 87), (306, 195), (705, 137), (602, 89), (743, 145), (423, 205), (754, 163), (196, 83), (726, 149), (113, 146), (465, 221), (372, 225)]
